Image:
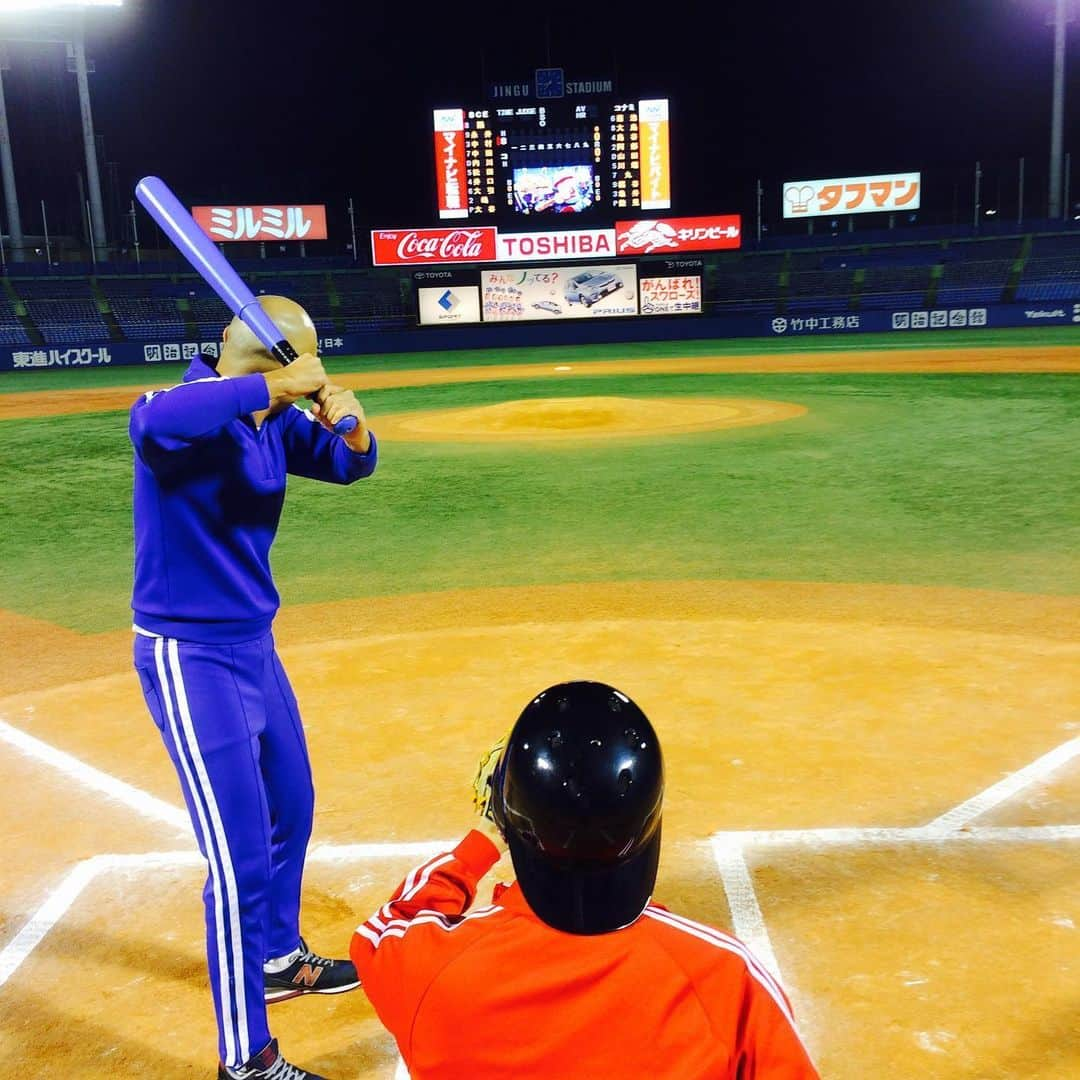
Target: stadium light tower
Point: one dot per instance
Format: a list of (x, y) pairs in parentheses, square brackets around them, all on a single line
[(66, 27), (1057, 114), (7, 167)]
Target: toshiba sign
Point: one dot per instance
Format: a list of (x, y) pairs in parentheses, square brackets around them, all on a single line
[(570, 244), (398, 247)]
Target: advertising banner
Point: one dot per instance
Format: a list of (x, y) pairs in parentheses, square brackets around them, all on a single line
[(678, 234), (655, 158), (559, 293), (405, 247), (568, 244), (445, 305), (559, 331), (444, 276), (485, 243), (123, 353), (851, 195), (671, 295), (450, 163), (226, 224)]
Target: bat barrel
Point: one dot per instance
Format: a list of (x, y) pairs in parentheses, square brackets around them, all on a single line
[(199, 250)]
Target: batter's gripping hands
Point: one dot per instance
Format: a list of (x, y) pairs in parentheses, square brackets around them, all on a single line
[(485, 771)]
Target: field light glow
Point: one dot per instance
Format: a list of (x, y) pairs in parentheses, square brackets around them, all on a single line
[(11, 7)]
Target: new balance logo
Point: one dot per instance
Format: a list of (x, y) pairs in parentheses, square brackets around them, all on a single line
[(307, 975)]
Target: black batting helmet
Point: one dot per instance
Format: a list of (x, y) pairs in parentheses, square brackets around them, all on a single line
[(578, 793)]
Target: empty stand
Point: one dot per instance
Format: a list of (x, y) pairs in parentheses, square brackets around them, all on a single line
[(145, 319), (68, 322), (12, 331), (981, 282), (176, 305)]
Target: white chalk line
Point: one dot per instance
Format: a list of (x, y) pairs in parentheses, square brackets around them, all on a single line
[(728, 847), (728, 851), (897, 837), (422, 849), (1009, 787), (747, 920), (60, 900), (148, 805), (46, 917)]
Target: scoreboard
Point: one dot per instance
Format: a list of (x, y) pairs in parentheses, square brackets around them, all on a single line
[(584, 157)]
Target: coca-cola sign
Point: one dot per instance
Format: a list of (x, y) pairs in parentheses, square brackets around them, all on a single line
[(400, 247)]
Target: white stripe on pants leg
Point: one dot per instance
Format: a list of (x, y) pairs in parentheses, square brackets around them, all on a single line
[(231, 893), (228, 1032)]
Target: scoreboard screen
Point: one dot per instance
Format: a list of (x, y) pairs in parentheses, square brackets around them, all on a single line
[(554, 157)]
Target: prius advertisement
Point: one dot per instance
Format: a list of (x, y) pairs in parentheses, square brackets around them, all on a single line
[(559, 293)]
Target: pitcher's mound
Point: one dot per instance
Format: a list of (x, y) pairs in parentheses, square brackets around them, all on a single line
[(581, 418)]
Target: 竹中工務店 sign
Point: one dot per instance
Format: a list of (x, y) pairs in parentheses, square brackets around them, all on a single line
[(851, 195)]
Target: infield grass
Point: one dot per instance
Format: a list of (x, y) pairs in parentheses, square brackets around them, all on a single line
[(964, 480)]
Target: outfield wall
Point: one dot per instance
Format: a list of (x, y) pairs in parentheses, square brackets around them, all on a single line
[(583, 332)]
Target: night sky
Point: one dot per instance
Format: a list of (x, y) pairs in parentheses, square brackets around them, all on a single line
[(243, 101)]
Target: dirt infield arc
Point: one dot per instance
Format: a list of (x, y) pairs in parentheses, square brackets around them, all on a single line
[(1053, 359), (783, 706)]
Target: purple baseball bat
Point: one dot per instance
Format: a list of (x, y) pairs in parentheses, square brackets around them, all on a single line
[(199, 250)]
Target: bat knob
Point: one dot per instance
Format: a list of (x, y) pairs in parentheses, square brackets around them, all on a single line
[(345, 426)]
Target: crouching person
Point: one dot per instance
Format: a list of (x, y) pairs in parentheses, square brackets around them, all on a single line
[(572, 971)]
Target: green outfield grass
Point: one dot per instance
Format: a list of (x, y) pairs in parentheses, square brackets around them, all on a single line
[(964, 480)]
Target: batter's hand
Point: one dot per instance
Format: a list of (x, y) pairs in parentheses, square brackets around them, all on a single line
[(332, 404), (302, 377)]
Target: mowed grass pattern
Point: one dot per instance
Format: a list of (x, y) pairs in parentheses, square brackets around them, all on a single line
[(964, 480)]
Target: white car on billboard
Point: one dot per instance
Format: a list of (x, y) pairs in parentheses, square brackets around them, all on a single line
[(590, 286)]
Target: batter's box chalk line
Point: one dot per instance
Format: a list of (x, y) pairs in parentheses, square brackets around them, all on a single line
[(729, 849)]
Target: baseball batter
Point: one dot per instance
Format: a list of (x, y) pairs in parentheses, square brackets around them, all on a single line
[(211, 460), (573, 971)]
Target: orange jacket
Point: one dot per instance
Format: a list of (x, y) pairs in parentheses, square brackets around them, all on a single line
[(495, 992)]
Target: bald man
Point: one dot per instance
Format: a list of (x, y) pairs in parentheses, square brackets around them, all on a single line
[(211, 459)]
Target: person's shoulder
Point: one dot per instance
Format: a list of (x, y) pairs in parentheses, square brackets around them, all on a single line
[(704, 951), (709, 944), (200, 368)]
